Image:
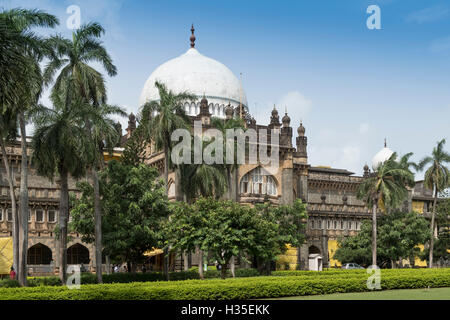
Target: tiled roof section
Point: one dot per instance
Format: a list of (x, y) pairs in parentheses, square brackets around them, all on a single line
[(331, 170)]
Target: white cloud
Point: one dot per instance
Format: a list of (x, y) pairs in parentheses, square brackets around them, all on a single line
[(346, 157), (364, 128), (430, 14), (295, 103)]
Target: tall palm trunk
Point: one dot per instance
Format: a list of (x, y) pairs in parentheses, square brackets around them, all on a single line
[(432, 227), (15, 216), (98, 227), (374, 234), (166, 180), (63, 218), (23, 205)]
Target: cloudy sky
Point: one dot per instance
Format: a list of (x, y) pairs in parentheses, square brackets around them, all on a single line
[(351, 86)]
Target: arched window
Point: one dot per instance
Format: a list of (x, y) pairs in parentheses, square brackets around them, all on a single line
[(29, 215), (39, 254), (1, 214), (77, 254), (9, 215), (258, 181)]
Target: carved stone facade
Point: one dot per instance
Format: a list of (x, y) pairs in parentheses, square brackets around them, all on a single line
[(330, 195)]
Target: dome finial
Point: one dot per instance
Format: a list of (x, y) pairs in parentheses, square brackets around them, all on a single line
[(385, 145), (192, 36)]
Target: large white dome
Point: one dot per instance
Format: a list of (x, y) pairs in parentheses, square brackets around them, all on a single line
[(198, 75), (382, 155)]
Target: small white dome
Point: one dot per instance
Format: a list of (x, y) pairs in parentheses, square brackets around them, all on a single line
[(198, 75), (382, 155)]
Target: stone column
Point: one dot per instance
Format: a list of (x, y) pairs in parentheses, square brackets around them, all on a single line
[(287, 183)]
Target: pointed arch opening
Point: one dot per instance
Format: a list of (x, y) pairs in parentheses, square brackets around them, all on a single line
[(258, 181), (78, 254), (39, 254)]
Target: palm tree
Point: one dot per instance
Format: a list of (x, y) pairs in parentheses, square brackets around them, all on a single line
[(60, 147), (72, 57), (230, 166), (22, 93), (160, 119), (437, 179), (202, 180), (78, 79), (386, 188)]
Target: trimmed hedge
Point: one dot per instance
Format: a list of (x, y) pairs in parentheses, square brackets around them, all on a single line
[(88, 278), (249, 288)]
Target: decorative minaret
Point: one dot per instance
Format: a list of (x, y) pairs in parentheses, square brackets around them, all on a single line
[(192, 37), (204, 115), (286, 131), (131, 124), (366, 171), (274, 119), (302, 142), (229, 111)]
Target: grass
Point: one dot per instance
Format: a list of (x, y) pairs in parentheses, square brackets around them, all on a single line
[(403, 294)]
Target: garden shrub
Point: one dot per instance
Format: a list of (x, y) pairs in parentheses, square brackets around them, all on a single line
[(9, 283), (237, 288)]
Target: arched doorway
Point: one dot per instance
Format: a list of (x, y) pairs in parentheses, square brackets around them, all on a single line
[(313, 250), (39, 254), (77, 254), (314, 259)]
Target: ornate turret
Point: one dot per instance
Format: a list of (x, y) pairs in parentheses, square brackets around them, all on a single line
[(204, 115), (286, 120), (301, 141), (286, 131), (366, 171), (274, 119), (131, 124), (301, 130), (229, 111)]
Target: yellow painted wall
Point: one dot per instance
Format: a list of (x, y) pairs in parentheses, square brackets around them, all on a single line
[(6, 255), (108, 157), (417, 261), (332, 247), (417, 206), (289, 257)]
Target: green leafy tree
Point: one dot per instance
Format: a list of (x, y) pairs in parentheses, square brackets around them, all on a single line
[(387, 188), (134, 208), (441, 249), (399, 234), (437, 179), (225, 228), (291, 229)]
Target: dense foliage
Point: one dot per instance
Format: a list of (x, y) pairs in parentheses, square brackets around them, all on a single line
[(398, 235), (134, 207), (226, 228)]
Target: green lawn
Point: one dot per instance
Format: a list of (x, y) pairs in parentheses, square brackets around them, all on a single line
[(404, 294)]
